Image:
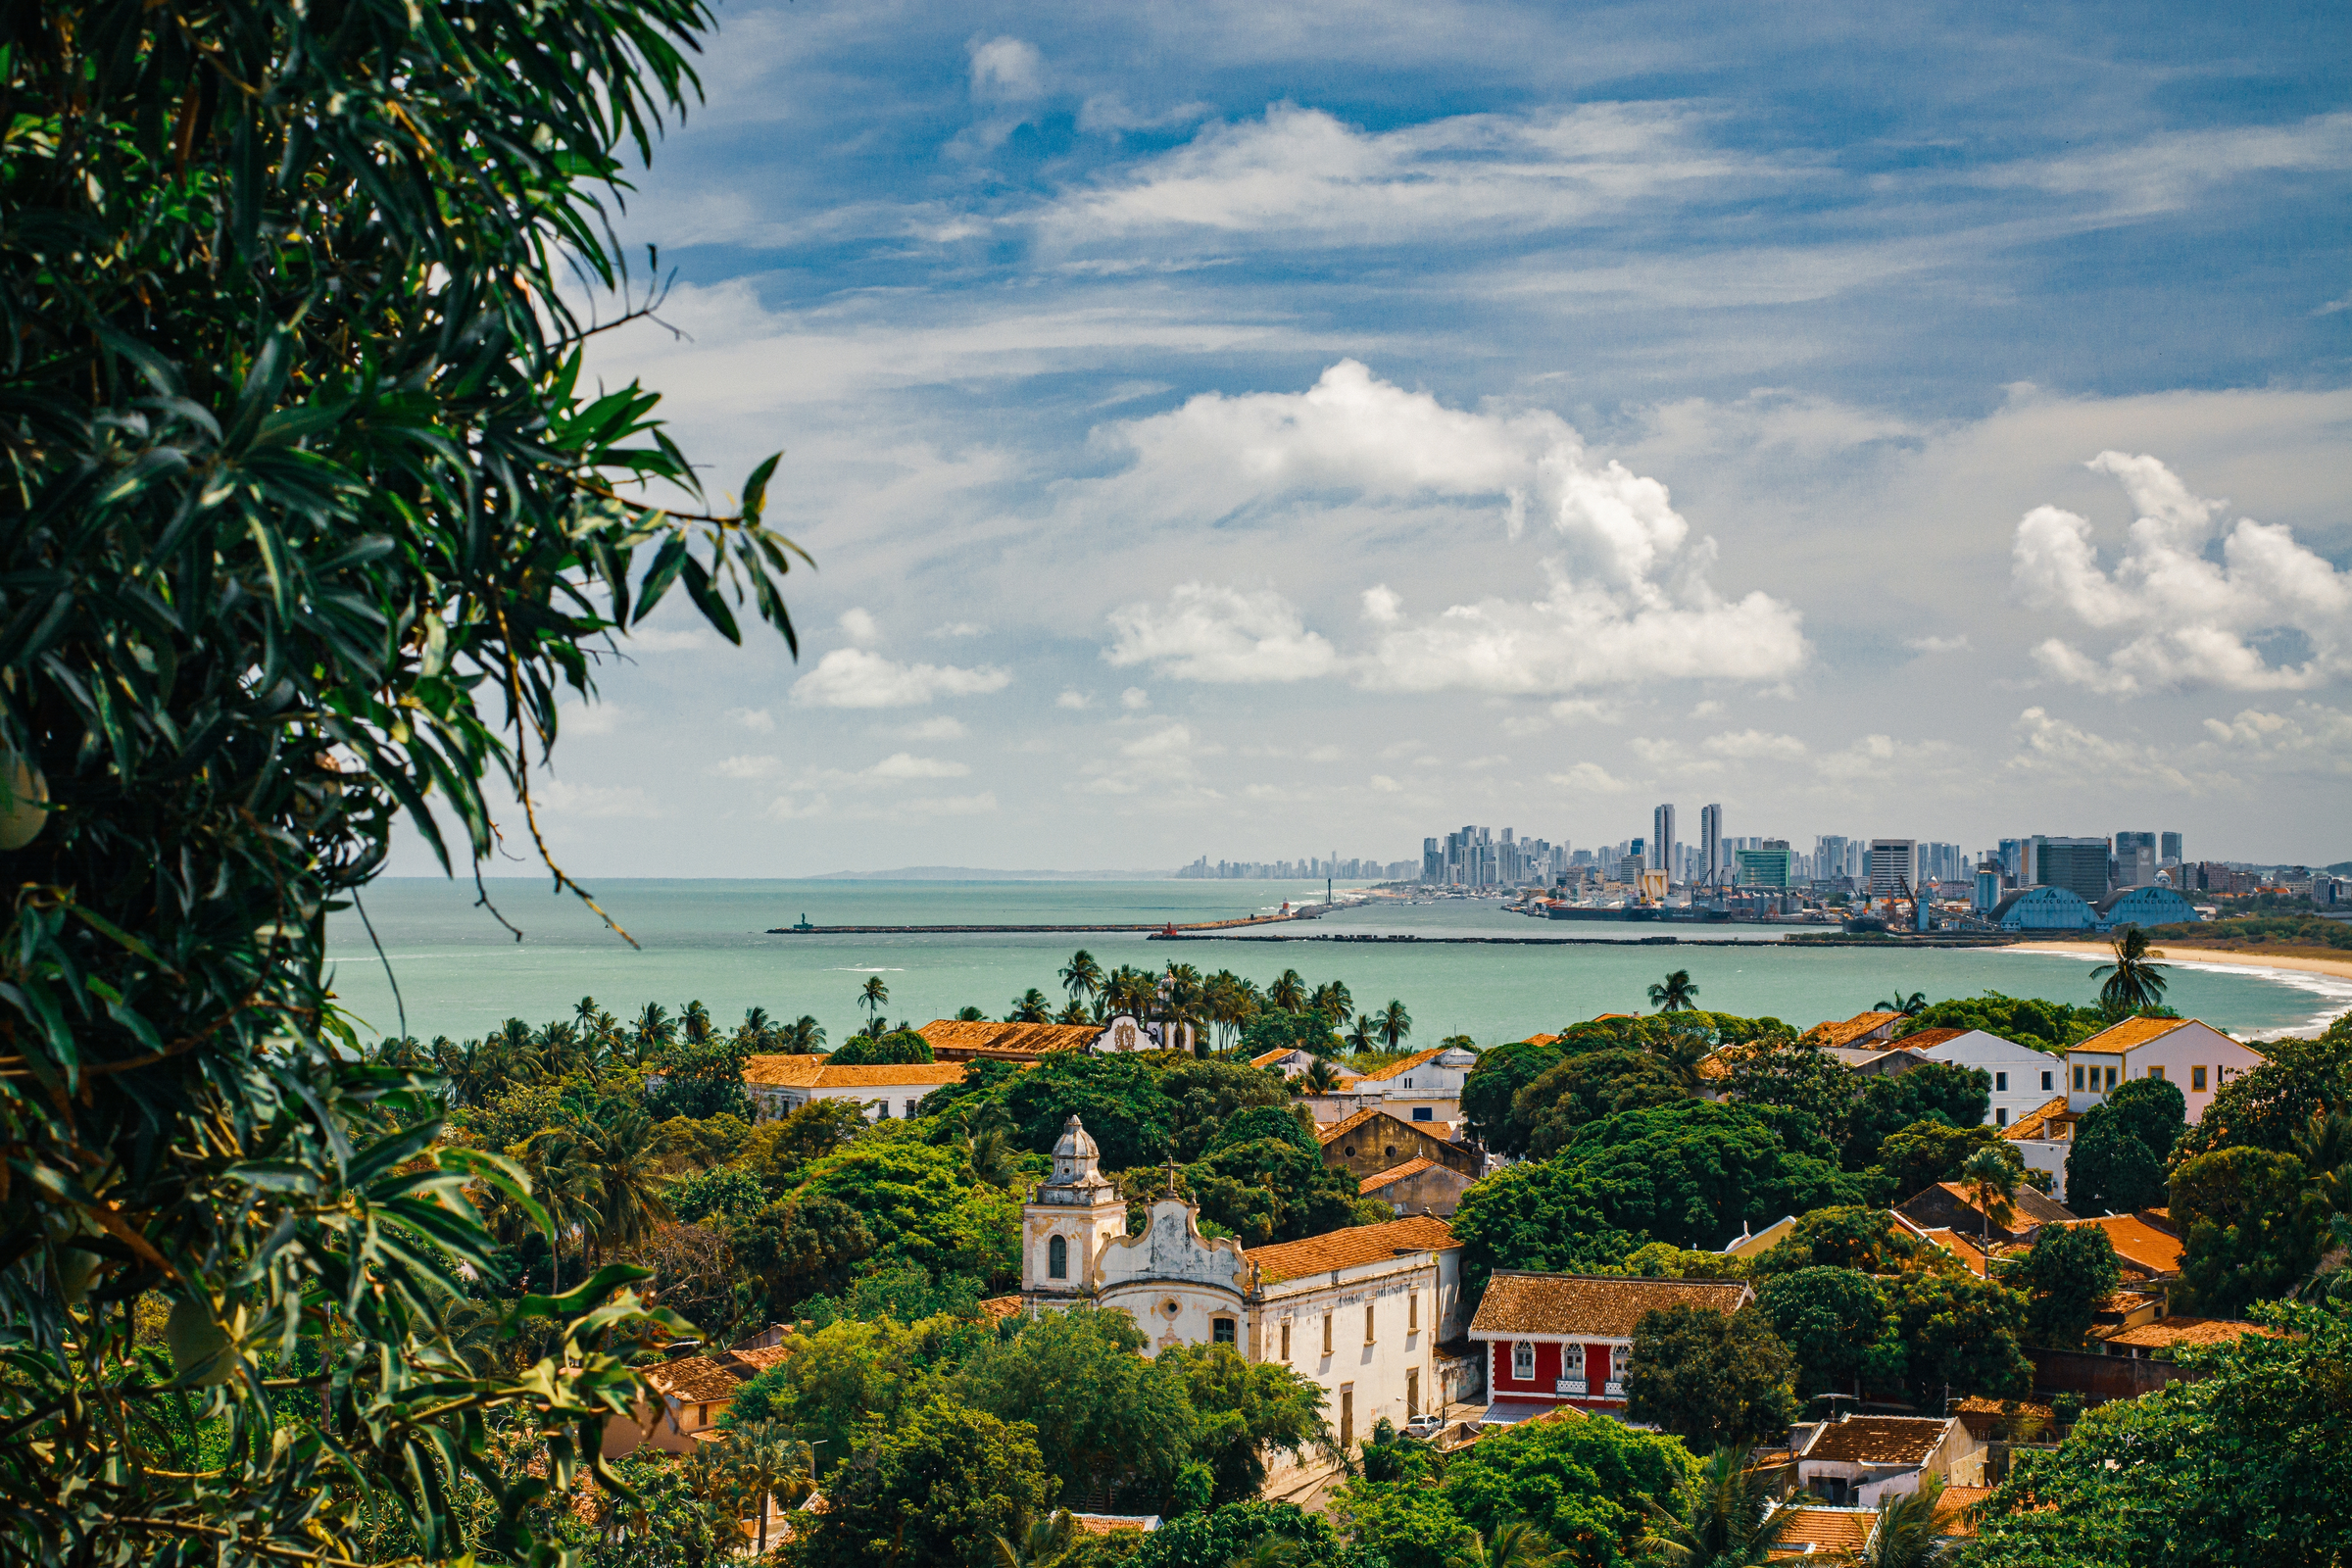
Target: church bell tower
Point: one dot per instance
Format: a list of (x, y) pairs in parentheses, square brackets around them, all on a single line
[(1067, 1222)]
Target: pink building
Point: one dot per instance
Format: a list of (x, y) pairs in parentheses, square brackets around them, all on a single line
[(1553, 1340)]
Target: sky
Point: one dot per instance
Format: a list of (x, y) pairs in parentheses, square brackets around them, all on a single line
[(1264, 430)]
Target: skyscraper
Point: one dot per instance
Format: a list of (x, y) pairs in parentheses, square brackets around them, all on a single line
[(2168, 852), (1661, 840), (2134, 861), (1894, 865), (1710, 844), (2079, 866)]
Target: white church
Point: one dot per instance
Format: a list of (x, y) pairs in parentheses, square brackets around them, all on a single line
[(1372, 1313)]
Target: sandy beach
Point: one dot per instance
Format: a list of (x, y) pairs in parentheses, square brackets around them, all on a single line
[(2337, 968)]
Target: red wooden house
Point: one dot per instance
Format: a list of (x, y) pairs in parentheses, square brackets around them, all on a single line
[(1553, 1340)]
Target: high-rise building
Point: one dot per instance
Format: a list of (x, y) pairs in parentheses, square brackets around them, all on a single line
[(1893, 866), (2167, 849), (2013, 861), (2078, 864), (1661, 840), (1433, 860), (1830, 858), (1710, 844), (2134, 861), (1765, 867)]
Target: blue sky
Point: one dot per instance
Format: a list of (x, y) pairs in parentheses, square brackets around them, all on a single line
[(1256, 431)]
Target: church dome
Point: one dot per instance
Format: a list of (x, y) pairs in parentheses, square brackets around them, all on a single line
[(1075, 1143)]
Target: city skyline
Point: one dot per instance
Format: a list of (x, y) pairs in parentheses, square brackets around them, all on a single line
[(1215, 426)]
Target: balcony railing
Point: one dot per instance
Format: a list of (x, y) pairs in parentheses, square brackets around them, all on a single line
[(1614, 1390), (1575, 1386)]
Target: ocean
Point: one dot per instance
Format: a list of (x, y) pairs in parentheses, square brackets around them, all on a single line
[(460, 974)]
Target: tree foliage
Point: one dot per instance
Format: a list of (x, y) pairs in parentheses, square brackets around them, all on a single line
[(1589, 1484), (1961, 1332), (1692, 1173), (2067, 1273), (1585, 1087), (936, 1487), (1713, 1378), (2044, 1025), (2247, 1229), (2243, 1464), (1121, 1099), (898, 1048), (2270, 1106), (2108, 1170), (1837, 1326), (1104, 1413)]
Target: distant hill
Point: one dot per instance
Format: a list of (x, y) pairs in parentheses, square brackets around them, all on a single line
[(974, 873)]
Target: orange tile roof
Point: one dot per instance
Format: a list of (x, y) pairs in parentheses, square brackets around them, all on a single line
[(1952, 1516), (1267, 1057), (1926, 1039), (2038, 1122), (1968, 1250), (1350, 1122), (770, 1071), (1827, 1530), (2140, 1245), (1852, 1029), (2128, 1035), (1588, 1303), (1362, 1244), (1880, 1438), (751, 1362), (2168, 1332), (693, 1379), (1540, 1040), (981, 1034), (1395, 1173), (1103, 1524), (1406, 1065), (891, 1075), (997, 1306)]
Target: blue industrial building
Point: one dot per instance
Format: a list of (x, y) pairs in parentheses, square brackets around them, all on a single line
[(2144, 907), (2043, 909)]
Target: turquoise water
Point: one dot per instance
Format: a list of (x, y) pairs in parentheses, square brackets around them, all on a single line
[(460, 974)]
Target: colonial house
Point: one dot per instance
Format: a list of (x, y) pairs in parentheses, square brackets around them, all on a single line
[(2021, 1080), (1858, 1459), (1123, 1033), (1859, 1030), (1376, 1139), (1363, 1312), (2195, 1056), (690, 1393), (1425, 1087), (780, 1085), (1563, 1339), (2044, 1136), (1419, 1185)]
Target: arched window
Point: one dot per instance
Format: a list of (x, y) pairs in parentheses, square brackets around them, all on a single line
[(1058, 1259)]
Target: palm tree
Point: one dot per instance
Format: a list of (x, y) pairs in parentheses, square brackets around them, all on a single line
[(1131, 991), (1360, 1036), (1515, 1543), (695, 1023), (803, 1037), (1910, 1006), (1682, 1051), (1675, 995), (872, 995), (1288, 993), (1036, 1543), (1082, 976), (1458, 1043), (1395, 1023), (1072, 1011), (989, 1151), (2132, 982), (770, 1463), (1991, 1181), (1268, 1551), (1727, 1518), (1906, 1534), (971, 1014), (1320, 1077), (1030, 1007), (1332, 1002)]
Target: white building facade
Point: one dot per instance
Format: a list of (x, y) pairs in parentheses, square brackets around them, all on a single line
[(1360, 1311), (2023, 1079), (2193, 1056)]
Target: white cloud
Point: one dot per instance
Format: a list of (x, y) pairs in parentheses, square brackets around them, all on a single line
[(1074, 700), (1135, 699), (599, 717), (1174, 741), (941, 727), (2270, 616), (859, 626), (2057, 749), (1211, 633), (2343, 302), (852, 678), (980, 804), (1301, 177), (2315, 737), (1382, 784), (1590, 777), (959, 628), (593, 801), (757, 719), (1007, 70), (793, 808), (904, 765), (1754, 744), (1938, 645), (1710, 708), (748, 768), (1630, 601)]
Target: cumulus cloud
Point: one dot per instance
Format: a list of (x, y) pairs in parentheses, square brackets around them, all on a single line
[(1591, 778), (2269, 615), (959, 628), (905, 764), (1211, 633), (1628, 600), (940, 727), (747, 767), (758, 719), (1174, 741), (1135, 699), (852, 677), (1074, 700), (1007, 70), (2059, 748), (1754, 742), (1938, 645), (2311, 738), (859, 626)]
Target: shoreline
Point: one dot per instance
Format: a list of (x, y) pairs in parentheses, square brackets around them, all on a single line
[(2226, 958)]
